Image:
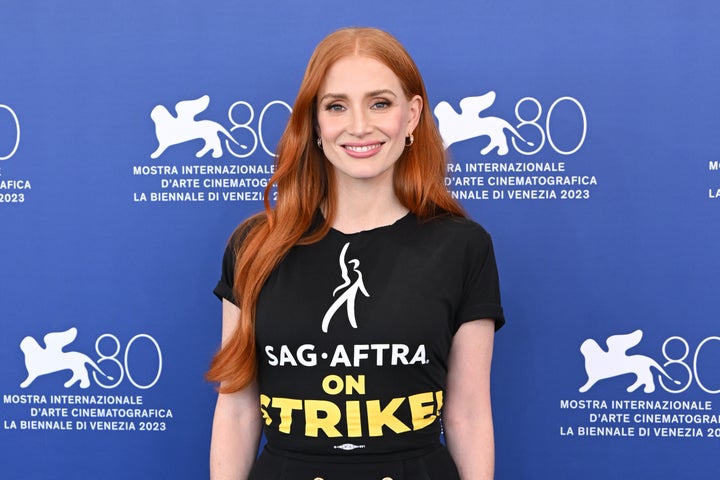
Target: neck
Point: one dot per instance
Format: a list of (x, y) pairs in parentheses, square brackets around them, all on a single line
[(366, 206)]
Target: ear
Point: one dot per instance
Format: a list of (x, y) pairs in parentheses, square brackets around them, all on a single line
[(416, 107), (316, 126)]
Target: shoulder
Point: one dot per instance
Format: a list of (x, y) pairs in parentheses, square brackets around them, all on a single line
[(238, 239), (459, 228), (244, 230), (457, 238)]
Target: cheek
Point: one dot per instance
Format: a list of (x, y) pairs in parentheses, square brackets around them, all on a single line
[(328, 127), (396, 125)]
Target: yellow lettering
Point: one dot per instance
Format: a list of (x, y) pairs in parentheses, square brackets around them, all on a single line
[(377, 417), (264, 403), (286, 406), (347, 419), (422, 408), (353, 384), (332, 384), (353, 418), (314, 423)]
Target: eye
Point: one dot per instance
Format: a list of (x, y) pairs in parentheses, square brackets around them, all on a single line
[(381, 105), (334, 107)]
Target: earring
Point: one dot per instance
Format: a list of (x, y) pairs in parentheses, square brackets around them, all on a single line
[(409, 140), (319, 143)]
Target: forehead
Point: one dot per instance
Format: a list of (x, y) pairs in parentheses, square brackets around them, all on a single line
[(359, 75)]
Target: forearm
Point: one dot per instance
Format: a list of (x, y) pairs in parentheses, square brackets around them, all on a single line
[(467, 414), (235, 437), (471, 443)]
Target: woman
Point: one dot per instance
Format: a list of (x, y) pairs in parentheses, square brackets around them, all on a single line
[(364, 303)]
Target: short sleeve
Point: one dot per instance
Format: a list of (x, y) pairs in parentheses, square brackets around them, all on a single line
[(224, 287), (481, 293)]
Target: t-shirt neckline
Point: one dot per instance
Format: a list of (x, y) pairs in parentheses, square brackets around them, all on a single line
[(380, 228)]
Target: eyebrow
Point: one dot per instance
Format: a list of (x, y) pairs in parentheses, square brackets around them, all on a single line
[(374, 93)]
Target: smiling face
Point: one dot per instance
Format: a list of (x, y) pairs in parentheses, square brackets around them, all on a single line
[(363, 118)]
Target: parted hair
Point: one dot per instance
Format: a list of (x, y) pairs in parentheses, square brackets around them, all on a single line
[(306, 185)]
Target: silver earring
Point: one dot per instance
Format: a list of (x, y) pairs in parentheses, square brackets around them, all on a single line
[(319, 143), (409, 140)]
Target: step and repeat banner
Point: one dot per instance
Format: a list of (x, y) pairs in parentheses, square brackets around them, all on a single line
[(134, 136)]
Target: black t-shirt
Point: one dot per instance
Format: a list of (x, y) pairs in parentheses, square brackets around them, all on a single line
[(353, 333)]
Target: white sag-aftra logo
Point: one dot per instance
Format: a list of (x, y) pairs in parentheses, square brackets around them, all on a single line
[(350, 288), (52, 358)]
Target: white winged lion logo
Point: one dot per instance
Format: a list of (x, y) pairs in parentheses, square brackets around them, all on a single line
[(456, 127), (42, 361), (171, 130), (601, 364)]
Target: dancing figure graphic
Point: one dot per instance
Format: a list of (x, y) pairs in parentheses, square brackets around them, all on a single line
[(351, 289)]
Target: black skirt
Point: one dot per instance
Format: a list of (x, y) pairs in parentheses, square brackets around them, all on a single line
[(429, 464)]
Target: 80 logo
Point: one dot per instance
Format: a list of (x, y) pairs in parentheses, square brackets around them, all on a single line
[(703, 362), (545, 131), (15, 124), (109, 356), (114, 362), (242, 120)]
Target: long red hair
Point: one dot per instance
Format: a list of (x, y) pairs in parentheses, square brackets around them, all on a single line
[(305, 185)]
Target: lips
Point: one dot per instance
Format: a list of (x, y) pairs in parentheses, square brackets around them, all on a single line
[(364, 150)]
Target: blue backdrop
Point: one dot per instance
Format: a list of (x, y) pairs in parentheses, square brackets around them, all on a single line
[(601, 191)]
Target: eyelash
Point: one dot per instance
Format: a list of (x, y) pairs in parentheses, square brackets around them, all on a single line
[(335, 107)]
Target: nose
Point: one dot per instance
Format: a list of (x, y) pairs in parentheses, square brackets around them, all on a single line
[(359, 123)]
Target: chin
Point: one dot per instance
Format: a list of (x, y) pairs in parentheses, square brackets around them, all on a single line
[(365, 174)]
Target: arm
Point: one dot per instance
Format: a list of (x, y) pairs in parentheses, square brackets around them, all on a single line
[(237, 422), (467, 414)]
